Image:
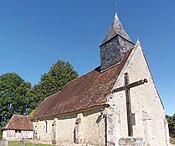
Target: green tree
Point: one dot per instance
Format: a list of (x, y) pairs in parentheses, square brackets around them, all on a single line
[(14, 96), (171, 124), (59, 75)]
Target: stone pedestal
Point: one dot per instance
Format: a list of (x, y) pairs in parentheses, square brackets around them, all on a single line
[(131, 141)]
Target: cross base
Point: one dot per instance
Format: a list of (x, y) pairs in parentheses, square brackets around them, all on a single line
[(130, 141)]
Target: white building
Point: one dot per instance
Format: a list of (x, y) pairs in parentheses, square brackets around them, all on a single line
[(19, 127)]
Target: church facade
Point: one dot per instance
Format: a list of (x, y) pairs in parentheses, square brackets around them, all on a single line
[(115, 104)]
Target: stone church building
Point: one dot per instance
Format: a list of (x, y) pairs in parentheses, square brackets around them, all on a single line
[(115, 104)]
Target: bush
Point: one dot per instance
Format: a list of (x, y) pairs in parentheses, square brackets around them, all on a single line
[(172, 140)]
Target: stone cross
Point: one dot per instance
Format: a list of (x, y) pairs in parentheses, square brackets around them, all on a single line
[(127, 88)]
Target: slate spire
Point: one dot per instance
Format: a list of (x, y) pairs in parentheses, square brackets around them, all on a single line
[(115, 44), (116, 29)]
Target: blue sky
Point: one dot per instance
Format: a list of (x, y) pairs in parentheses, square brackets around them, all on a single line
[(34, 34)]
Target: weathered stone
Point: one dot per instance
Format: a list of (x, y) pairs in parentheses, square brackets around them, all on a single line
[(90, 132), (146, 103), (54, 132), (131, 142)]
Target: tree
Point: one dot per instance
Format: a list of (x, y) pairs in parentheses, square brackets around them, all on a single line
[(14, 96), (59, 75), (171, 124)]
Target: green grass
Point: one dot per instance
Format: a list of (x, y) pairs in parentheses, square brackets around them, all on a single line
[(17, 143)]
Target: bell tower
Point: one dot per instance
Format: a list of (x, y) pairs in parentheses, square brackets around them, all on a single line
[(116, 43)]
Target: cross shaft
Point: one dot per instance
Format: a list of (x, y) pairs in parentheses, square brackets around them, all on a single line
[(127, 88)]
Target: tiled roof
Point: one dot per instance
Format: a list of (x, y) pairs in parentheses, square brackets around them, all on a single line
[(19, 122), (84, 92)]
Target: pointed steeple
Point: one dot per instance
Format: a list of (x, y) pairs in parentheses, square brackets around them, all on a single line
[(115, 44), (116, 29)]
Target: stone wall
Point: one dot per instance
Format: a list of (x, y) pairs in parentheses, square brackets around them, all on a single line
[(16, 135), (145, 103), (90, 124)]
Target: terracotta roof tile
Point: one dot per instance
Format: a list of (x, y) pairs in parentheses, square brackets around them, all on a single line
[(84, 92), (19, 122)]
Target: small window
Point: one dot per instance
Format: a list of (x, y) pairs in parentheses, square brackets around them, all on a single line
[(17, 131), (133, 118), (45, 127)]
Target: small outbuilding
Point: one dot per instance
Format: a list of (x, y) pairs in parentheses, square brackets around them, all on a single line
[(19, 127)]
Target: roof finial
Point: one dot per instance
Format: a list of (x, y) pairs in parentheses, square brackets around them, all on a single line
[(115, 7), (116, 16), (137, 43)]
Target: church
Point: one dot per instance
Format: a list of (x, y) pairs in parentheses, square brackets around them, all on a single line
[(116, 104)]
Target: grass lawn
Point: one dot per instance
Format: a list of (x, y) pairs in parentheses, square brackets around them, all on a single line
[(17, 143), (172, 140)]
